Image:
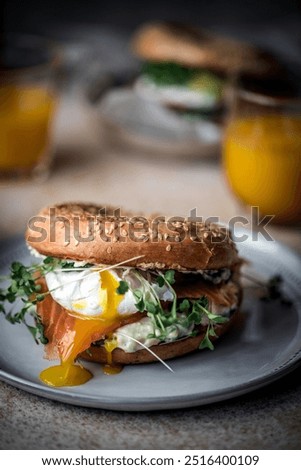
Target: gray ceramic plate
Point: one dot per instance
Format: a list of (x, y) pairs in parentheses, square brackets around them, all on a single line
[(265, 346)]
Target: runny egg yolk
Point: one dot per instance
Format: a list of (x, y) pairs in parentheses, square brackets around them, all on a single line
[(109, 368), (70, 374)]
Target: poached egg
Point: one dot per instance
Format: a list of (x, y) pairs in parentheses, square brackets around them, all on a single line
[(85, 293), (92, 308)]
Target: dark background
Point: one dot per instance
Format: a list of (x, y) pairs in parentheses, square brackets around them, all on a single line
[(43, 15), (272, 24)]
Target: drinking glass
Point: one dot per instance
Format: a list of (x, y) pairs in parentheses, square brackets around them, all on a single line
[(262, 149), (28, 100)]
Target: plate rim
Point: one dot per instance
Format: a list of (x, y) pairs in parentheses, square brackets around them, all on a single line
[(156, 403)]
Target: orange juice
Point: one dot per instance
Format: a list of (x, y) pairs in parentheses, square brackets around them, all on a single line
[(262, 158), (25, 117)]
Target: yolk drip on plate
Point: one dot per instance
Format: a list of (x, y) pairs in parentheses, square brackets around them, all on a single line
[(81, 334)]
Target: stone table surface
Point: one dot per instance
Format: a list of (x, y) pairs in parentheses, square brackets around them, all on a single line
[(86, 168)]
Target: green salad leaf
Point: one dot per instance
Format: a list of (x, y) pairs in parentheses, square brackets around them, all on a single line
[(167, 73), (170, 73)]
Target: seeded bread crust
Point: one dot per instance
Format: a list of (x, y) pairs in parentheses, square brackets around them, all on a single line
[(165, 350), (82, 232), (170, 42)]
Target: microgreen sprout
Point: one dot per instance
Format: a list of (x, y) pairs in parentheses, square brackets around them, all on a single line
[(185, 313), (122, 288), (271, 287)]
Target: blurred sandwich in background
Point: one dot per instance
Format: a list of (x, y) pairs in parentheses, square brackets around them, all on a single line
[(187, 69)]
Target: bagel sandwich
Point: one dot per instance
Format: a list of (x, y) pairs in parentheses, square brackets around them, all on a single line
[(122, 289), (186, 69)]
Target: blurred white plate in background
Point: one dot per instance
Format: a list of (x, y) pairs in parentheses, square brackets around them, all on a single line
[(153, 127)]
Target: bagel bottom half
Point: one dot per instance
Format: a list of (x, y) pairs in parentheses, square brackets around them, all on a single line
[(165, 351)]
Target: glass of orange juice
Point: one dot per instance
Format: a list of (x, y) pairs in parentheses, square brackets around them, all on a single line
[(27, 104), (262, 148)]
